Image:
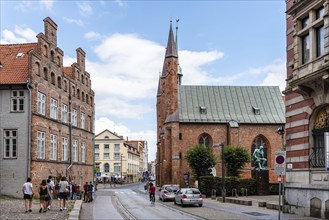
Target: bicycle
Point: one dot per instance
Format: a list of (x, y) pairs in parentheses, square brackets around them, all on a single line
[(152, 199)]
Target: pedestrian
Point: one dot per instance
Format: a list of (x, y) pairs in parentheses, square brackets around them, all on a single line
[(51, 186), (71, 190), (92, 191), (75, 191), (28, 194), (85, 192), (88, 188), (44, 196), (63, 193)]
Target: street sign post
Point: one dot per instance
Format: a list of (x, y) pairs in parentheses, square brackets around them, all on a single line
[(280, 162), (280, 169)]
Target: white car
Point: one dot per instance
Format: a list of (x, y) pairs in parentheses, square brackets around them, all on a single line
[(188, 196), (167, 192)]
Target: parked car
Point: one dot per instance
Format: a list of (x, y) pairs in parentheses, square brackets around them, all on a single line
[(167, 192), (188, 196)]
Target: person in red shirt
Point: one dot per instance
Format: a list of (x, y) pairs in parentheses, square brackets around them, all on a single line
[(151, 190)]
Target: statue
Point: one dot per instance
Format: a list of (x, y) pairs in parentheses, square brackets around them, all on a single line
[(259, 159)]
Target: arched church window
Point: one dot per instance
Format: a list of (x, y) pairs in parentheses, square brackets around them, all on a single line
[(259, 141), (320, 129), (205, 140)]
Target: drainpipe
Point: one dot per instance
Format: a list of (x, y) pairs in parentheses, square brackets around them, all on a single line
[(70, 134), (29, 130)]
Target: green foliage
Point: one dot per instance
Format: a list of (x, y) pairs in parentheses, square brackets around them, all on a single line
[(200, 159), (208, 183), (235, 159)]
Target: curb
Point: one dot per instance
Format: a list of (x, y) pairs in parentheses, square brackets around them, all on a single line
[(75, 212)]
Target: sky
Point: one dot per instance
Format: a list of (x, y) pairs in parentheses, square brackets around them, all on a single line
[(220, 42)]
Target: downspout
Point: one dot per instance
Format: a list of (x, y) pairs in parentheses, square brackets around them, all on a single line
[(70, 134), (29, 130)]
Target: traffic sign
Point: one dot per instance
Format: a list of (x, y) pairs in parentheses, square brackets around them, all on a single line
[(98, 174), (280, 162)]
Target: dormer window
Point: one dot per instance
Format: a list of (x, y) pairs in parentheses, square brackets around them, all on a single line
[(203, 110), (20, 55), (256, 110)]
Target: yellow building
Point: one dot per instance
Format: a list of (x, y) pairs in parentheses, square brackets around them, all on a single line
[(111, 155)]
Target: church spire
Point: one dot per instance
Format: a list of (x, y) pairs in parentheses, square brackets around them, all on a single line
[(171, 45), (179, 69)]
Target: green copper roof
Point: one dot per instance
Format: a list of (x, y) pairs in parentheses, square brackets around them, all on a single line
[(220, 104)]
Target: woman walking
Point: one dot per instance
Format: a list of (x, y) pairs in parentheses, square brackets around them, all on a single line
[(44, 196), (28, 194), (63, 191)]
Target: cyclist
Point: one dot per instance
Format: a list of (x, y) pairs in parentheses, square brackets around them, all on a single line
[(152, 191)]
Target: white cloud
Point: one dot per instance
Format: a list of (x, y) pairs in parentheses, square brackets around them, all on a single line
[(48, 4), (73, 21), (24, 5), (275, 74), (91, 35), (18, 35), (85, 8)]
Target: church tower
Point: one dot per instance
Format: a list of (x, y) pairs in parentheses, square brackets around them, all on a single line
[(167, 95)]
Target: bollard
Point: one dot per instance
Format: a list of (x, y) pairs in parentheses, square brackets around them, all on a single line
[(213, 194), (234, 191), (244, 190)]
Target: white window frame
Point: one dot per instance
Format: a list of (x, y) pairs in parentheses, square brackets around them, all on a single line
[(64, 148), (116, 156), (75, 151), (117, 167), (74, 117), (83, 152), (41, 146), (10, 144), (96, 156), (53, 108), (17, 101), (53, 147), (41, 103), (82, 120), (64, 113), (107, 155), (310, 29), (117, 147)]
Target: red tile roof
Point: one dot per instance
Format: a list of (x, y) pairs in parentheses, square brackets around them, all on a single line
[(15, 69)]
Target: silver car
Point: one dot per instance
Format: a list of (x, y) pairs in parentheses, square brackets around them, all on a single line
[(167, 192), (188, 196)]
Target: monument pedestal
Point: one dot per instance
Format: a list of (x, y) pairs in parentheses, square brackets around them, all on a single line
[(262, 177)]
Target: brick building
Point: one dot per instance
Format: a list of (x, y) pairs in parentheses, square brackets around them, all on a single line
[(47, 114), (233, 115), (307, 108)]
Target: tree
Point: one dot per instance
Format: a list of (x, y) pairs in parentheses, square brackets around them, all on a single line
[(235, 158), (200, 159)]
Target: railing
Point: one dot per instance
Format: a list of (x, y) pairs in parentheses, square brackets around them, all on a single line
[(317, 157)]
